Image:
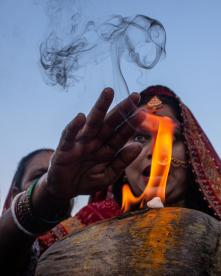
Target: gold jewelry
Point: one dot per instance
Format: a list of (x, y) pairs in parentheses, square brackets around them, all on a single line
[(24, 217), (179, 163), (154, 103)]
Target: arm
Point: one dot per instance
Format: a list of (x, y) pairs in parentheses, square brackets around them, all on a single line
[(90, 156)]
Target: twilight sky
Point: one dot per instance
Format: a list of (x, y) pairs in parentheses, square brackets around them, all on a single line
[(33, 113)]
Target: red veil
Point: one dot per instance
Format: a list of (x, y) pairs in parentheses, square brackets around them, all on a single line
[(205, 162)]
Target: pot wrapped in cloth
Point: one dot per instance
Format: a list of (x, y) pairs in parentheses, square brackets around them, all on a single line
[(168, 241)]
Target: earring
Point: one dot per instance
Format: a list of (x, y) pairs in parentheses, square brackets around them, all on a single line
[(177, 163)]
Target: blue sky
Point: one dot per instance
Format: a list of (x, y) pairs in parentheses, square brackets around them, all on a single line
[(33, 114)]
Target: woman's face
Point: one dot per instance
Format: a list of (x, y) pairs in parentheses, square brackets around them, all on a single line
[(36, 167), (138, 171)]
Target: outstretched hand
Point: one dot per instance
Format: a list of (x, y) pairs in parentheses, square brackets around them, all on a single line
[(91, 153)]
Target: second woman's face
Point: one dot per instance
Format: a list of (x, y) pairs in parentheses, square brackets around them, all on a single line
[(37, 166), (138, 171)]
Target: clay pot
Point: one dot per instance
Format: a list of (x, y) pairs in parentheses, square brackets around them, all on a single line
[(167, 241)]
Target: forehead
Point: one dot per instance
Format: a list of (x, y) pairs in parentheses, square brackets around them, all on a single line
[(39, 161), (165, 110), (41, 157)]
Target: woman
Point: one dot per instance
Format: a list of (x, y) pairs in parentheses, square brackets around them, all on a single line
[(30, 167), (194, 179), (195, 176)]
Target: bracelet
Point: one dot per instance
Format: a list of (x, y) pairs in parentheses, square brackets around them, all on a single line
[(17, 223), (24, 217)]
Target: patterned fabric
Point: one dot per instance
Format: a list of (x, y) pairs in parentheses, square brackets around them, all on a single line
[(57, 233), (93, 212), (97, 211)]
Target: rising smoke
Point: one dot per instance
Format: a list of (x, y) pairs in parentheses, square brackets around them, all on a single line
[(140, 39)]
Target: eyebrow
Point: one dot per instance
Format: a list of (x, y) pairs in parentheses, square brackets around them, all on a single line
[(142, 132), (39, 171)]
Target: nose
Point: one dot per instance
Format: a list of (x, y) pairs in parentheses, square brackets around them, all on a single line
[(148, 151)]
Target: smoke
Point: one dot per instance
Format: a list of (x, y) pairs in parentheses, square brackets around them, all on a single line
[(139, 39)]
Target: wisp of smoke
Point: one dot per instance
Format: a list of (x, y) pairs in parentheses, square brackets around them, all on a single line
[(140, 38)]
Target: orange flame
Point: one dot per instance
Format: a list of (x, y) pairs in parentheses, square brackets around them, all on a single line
[(162, 129)]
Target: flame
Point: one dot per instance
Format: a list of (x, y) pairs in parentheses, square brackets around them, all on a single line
[(162, 130)]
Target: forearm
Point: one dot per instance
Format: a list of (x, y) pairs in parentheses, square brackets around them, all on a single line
[(15, 244)]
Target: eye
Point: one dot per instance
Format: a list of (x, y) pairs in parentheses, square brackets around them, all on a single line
[(142, 139), (38, 174)]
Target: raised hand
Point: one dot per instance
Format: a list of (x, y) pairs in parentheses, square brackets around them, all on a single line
[(91, 153)]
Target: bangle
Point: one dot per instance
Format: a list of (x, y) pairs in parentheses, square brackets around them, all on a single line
[(15, 219), (24, 217)]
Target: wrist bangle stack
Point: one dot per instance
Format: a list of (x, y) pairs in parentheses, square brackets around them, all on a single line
[(25, 218), (16, 217)]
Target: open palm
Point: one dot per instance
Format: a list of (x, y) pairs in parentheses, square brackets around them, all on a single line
[(91, 153)]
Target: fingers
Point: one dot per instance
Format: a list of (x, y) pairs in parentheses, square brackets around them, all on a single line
[(97, 114), (109, 148), (122, 160), (81, 130), (107, 173), (117, 117), (122, 111), (123, 133), (70, 132)]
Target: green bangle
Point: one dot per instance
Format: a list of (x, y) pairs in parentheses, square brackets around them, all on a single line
[(32, 188), (57, 218)]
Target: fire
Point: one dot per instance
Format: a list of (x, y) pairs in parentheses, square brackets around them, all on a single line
[(162, 130)]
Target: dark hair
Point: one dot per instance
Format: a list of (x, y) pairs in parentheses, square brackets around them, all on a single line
[(22, 166)]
